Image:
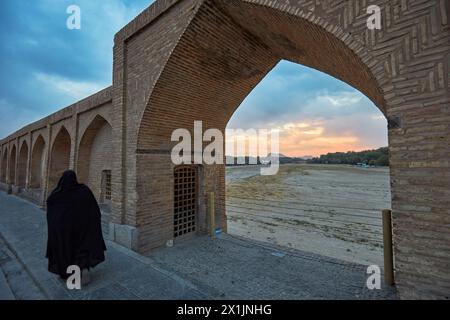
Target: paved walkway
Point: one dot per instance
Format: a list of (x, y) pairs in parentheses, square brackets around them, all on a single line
[(5, 288), (124, 275), (226, 268), (15, 281)]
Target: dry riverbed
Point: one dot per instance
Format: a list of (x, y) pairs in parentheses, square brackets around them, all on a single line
[(330, 210)]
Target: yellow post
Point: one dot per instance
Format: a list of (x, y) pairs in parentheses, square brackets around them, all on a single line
[(212, 215), (388, 253)]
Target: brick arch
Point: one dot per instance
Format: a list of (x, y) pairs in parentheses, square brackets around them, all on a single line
[(59, 157), (4, 171), (95, 120), (212, 72), (322, 18), (94, 153), (37, 163), (12, 165), (22, 165)]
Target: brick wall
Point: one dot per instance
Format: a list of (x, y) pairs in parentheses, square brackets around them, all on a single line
[(59, 157), (141, 50), (12, 166), (3, 172), (22, 166), (34, 168), (100, 158), (37, 164)]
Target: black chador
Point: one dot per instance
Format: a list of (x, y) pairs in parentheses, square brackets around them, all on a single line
[(74, 227)]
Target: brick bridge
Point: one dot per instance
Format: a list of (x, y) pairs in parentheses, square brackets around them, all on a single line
[(186, 60)]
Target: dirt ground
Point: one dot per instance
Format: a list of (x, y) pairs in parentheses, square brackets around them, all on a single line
[(331, 210)]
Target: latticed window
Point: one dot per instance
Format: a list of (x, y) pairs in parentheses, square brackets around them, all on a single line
[(185, 205), (106, 185)]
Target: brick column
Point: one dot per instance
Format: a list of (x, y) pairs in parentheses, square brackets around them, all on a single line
[(46, 173)]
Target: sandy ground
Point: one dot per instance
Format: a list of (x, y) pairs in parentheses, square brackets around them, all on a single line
[(329, 210)]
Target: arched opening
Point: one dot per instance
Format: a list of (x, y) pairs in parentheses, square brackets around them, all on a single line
[(37, 164), (60, 157), (94, 155), (3, 173), (12, 166), (329, 192), (94, 165), (22, 166)]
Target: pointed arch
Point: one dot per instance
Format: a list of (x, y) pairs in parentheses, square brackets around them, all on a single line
[(94, 154), (4, 171), (12, 165), (37, 163), (60, 157), (94, 165), (22, 165)]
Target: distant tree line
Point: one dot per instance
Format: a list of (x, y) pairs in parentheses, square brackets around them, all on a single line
[(233, 161), (282, 159), (378, 157)]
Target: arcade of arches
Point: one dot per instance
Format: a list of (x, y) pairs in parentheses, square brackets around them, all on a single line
[(181, 61)]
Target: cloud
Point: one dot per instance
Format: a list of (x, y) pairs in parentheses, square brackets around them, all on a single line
[(331, 104), (341, 133), (45, 66), (74, 89), (12, 117), (314, 112)]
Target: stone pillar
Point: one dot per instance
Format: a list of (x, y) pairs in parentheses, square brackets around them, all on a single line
[(46, 169), (16, 165)]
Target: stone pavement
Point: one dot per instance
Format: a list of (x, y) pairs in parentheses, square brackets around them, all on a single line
[(199, 268), (237, 268), (15, 281), (5, 289), (124, 275)]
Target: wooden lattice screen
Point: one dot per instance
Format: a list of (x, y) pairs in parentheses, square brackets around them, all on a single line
[(185, 200), (106, 186)]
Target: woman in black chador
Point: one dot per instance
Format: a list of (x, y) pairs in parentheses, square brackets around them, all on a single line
[(74, 227)]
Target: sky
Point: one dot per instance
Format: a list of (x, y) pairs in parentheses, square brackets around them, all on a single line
[(45, 67)]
